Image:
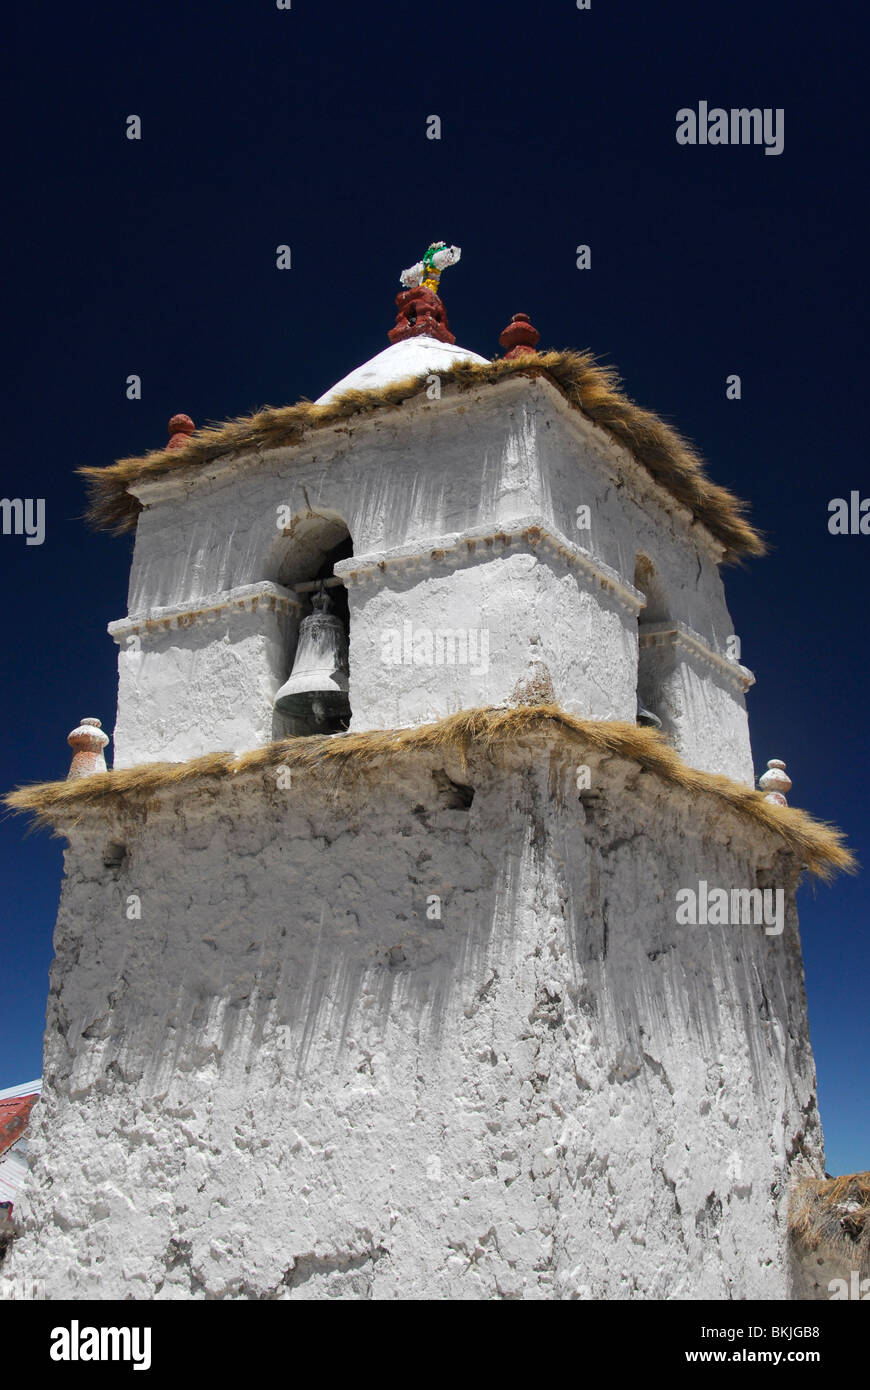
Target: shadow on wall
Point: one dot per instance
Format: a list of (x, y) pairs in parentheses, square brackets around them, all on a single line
[(650, 664)]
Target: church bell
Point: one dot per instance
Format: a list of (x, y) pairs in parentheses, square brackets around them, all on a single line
[(646, 718), (316, 689)]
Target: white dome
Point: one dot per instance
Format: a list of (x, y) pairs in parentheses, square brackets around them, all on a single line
[(412, 357)]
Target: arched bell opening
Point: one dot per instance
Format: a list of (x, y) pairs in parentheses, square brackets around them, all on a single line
[(314, 697), (651, 658)]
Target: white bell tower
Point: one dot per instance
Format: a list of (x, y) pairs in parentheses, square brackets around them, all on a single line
[(397, 957), (488, 538)]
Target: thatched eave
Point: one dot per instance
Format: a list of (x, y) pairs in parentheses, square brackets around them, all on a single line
[(589, 387), (819, 847)]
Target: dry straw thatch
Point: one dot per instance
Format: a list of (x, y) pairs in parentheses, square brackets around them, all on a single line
[(818, 846), (588, 386), (831, 1217)]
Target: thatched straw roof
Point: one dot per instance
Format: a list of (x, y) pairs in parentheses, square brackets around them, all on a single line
[(588, 386), (831, 1217), (817, 845)]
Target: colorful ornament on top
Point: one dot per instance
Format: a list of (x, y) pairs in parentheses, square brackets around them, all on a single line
[(420, 311), (428, 271)]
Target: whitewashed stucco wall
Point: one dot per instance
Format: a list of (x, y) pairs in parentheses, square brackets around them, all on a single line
[(517, 612), (430, 478), (286, 1081), (196, 686)]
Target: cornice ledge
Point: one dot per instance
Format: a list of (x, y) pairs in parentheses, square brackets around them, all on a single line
[(674, 633), (249, 598), (524, 532)]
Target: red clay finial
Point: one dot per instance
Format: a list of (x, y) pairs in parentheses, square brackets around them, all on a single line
[(421, 314), (87, 742), (520, 337), (181, 427)]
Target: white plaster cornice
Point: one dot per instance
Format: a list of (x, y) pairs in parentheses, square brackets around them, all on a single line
[(676, 634), (614, 458), (611, 457), (248, 598), (461, 548)]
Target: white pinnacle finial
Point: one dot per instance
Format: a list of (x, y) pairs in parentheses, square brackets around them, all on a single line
[(776, 782), (87, 742)]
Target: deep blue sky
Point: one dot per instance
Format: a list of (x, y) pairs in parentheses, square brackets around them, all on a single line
[(307, 127)]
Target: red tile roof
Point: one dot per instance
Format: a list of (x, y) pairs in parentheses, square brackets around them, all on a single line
[(14, 1115)]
